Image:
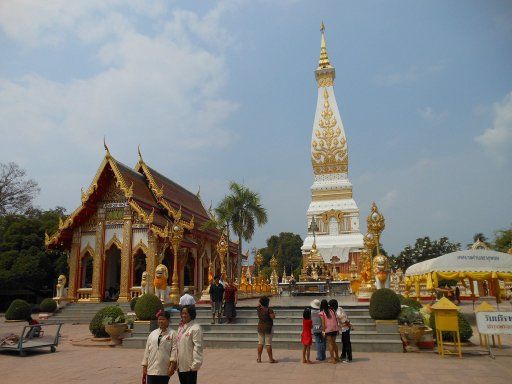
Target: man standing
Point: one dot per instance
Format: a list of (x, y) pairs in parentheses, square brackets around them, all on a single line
[(317, 330), (187, 298), (216, 297), (159, 362)]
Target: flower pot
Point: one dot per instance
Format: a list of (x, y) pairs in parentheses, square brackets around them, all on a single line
[(114, 331)]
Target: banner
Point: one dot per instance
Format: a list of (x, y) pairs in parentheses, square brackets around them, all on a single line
[(494, 323)]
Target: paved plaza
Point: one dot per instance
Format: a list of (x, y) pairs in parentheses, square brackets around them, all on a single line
[(75, 364)]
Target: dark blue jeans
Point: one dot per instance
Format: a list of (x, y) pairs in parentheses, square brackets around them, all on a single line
[(320, 346), (346, 350)]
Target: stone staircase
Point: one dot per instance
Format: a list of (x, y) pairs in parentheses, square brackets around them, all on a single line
[(287, 331), (82, 313)]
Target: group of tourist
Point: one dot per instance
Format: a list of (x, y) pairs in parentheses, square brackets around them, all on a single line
[(223, 298), (324, 320), (168, 351)]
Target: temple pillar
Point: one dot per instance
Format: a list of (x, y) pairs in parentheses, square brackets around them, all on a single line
[(97, 269), (73, 265), (126, 257), (199, 272), (151, 259)]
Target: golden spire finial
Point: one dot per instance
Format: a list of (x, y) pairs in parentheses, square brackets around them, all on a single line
[(140, 154), (105, 145), (323, 62)]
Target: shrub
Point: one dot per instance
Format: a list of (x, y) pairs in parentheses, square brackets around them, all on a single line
[(97, 326), (410, 316), (133, 302), (384, 305), (147, 306), (465, 329), (411, 303), (18, 310), (48, 305)]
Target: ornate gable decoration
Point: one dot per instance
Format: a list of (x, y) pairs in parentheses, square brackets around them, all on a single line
[(337, 214), (329, 149)]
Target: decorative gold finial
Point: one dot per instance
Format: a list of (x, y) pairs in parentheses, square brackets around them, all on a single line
[(324, 59), (140, 154), (105, 145)]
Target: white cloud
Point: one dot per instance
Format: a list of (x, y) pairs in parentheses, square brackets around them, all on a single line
[(154, 84), (389, 199), (428, 113), (497, 140), (409, 76)]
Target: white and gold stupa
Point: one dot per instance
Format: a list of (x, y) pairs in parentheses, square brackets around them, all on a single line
[(335, 213)]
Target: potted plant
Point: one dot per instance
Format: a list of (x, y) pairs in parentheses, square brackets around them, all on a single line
[(115, 327), (412, 325)]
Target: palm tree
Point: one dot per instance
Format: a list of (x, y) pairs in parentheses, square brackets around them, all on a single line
[(242, 211)]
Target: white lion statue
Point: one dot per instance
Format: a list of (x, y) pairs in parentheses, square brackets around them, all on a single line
[(61, 287), (144, 284), (381, 270), (160, 282)]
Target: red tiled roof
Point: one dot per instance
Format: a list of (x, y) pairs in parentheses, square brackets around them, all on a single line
[(178, 196)]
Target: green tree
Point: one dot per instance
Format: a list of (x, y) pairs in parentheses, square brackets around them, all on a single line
[(242, 210), (286, 247), (25, 264), (424, 249), (503, 240)]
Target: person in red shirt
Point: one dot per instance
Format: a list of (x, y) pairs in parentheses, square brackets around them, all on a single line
[(306, 337), (230, 299)]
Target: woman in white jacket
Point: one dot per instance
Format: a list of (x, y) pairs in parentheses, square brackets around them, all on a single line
[(189, 346), (160, 352)]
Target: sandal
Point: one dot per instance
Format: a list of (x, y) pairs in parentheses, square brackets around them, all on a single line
[(273, 361), (258, 360)]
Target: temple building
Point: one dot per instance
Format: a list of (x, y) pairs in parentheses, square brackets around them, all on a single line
[(333, 215), (130, 221)]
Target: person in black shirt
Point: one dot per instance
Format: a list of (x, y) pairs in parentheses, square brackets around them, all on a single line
[(216, 297)]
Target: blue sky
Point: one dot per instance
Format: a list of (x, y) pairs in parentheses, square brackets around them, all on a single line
[(219, 91)]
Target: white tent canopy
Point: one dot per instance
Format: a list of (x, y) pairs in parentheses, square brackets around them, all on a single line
[(471, 260)]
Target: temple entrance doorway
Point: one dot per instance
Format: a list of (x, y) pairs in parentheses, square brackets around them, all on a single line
[(112, 273), (86, 271), (189, 271), (139, 266)]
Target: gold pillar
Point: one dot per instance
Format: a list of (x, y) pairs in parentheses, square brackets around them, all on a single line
[(97, 270), (151, 260), (73, 264), (126, 253), (176, 237)]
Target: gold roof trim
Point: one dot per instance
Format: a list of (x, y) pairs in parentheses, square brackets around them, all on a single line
[(159, 192), (85, 196)]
